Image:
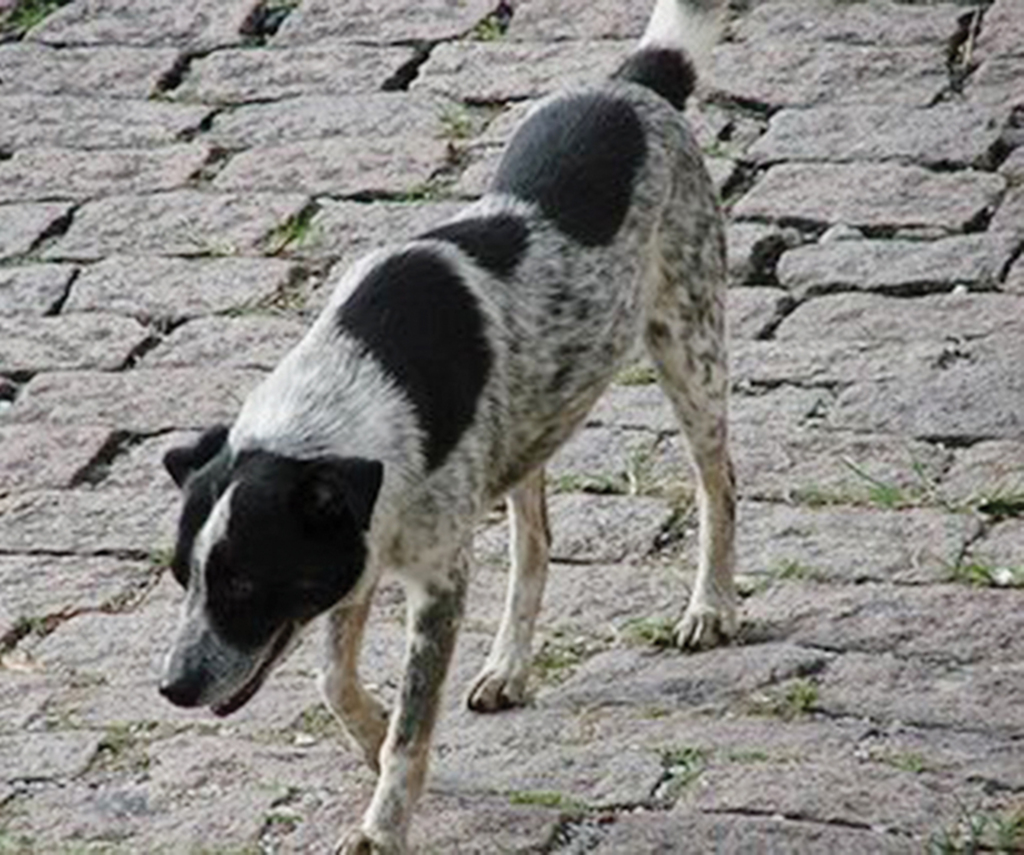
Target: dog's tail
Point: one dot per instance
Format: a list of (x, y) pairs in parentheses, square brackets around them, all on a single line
[(676, 43)]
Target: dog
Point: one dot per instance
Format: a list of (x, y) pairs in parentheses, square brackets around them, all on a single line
[(441, 376)]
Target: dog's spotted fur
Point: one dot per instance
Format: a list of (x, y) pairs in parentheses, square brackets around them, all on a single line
[(442, 376)]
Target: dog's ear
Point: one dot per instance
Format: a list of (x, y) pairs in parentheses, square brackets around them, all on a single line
[(332, 487), (182, 462)]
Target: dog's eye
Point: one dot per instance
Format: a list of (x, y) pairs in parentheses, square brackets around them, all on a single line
[(223, 575)]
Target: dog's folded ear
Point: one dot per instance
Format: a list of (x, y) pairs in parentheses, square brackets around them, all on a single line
[(182, 462), (335, 486)]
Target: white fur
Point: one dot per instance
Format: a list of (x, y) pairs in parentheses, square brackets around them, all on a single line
[(690, 25)]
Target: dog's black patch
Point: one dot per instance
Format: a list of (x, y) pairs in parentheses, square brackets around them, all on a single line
[(577, 158), (415, 315), (496, 243), (667, 72), (202, 470), (294, 544)]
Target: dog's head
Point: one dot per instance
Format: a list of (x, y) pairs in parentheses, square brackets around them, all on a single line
[(265, 544)]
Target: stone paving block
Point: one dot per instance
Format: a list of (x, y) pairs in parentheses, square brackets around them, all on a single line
[(337, 167), (871, 195), (648, 832), (1013, 167), (182, 222), (486, 72), (1001, 552), (551, 21), (589, 528), (890, 24), (898, 266), (1010, 214), (384, 22), (139, 401), (938, 317), (105, 342), (788, 73), (21, 226), (63, 173), (38, 456), (86, 522), (754, 309), (938, 626), (948, 134), (850, 545), (174, 289), (753, 250), (839, 793), (762, 366), (254, 341), (67, 121), (349, 230), (110, 71), (149, 23), (1002, 33), (34, 289), (888, 689), (986, 470), (47, 756), (141, 466), (997, 82), (818, 467), (234, 76), (310, 117), (36, 586), (970, 391), (1015, 278)]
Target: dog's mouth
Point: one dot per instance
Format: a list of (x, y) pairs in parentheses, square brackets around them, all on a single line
[(240, 698)]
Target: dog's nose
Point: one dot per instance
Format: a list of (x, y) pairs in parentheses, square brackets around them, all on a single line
[(182, 690)]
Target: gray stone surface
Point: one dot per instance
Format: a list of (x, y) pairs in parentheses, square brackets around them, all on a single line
[(486, 72), (871, 195), (384, 22), (67, 121), (21, 226), (149, 23), (894, 266), (252, 341), (788, 73), (60, 173), (136, 401), (30, 345), (870, 703), (183, 222), (237, 75), (113, 71), (372, 114), (86, 522), (174, 289), (938, 317), (948, 134), (337, 167), (34, 289), (36, 456)]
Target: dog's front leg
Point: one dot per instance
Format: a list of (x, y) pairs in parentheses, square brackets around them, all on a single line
[(364, 718), (434, 614)]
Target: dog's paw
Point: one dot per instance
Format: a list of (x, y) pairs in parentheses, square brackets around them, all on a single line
[(497, 688), (359, 842), (706, 626)]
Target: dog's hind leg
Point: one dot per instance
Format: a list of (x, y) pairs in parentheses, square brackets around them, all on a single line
[(502, 682), (434, 614), (685, 335), (364, 718)]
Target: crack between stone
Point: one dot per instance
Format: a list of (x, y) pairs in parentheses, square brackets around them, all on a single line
[(837, 822)]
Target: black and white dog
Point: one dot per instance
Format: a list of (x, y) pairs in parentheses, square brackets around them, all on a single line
[(441, 377)]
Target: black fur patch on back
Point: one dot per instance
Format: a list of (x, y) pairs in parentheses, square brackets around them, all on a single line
[(414, 314), (496, 243), (667, 72), (577, 158)]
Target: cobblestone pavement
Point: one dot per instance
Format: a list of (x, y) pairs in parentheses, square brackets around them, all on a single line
[(179, 180)]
